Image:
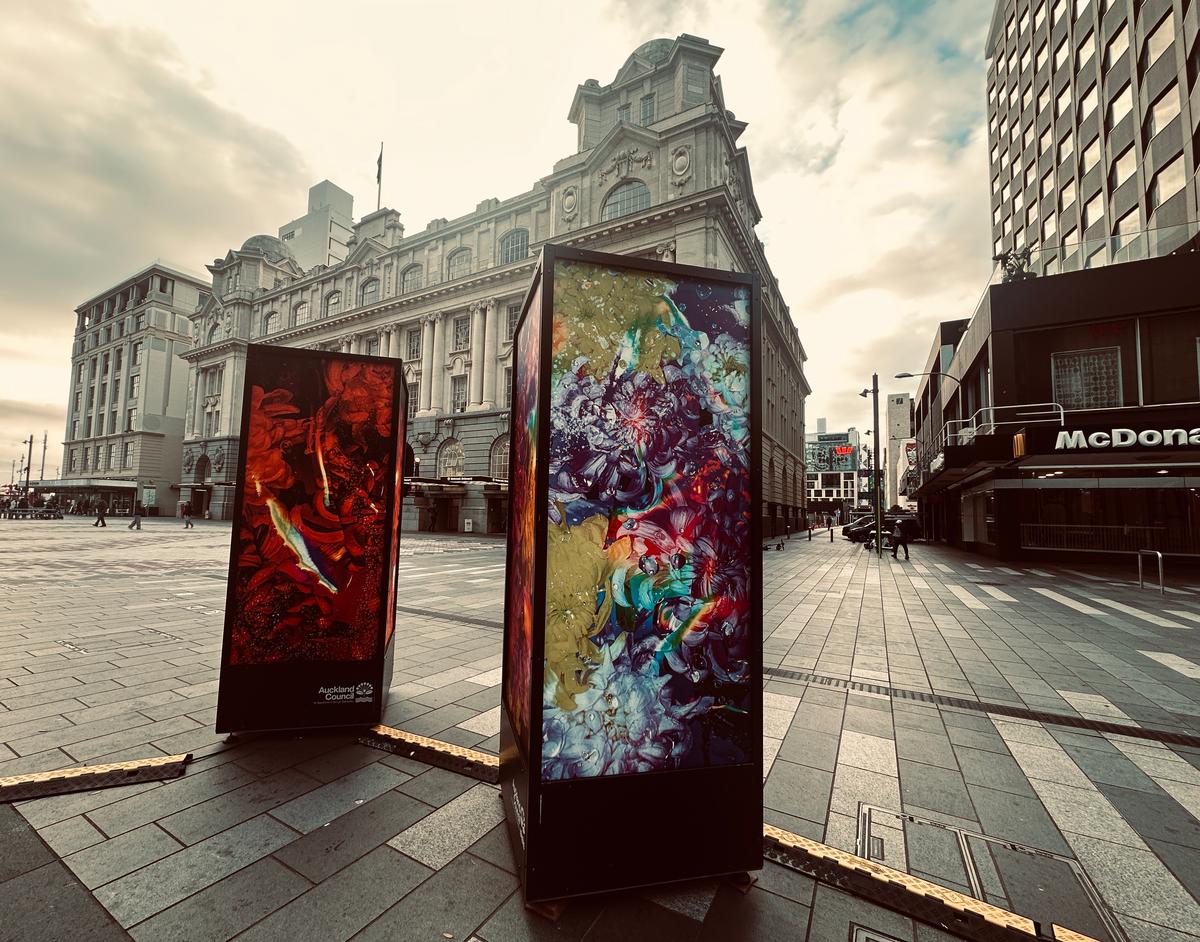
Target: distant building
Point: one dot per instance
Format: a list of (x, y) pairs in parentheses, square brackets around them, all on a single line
[(125, 407), (900, 412), (658, 174), (321, 235), (833, 462), (904, 472)]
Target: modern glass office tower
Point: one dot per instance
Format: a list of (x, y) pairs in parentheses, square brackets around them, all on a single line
[(1093, 139)]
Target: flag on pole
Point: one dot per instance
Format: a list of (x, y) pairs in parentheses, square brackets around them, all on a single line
[(379, 178)]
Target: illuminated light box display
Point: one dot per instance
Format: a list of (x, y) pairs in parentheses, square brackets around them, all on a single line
[(310, 608), (631, 734)]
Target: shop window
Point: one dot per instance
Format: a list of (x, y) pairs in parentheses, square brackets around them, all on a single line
[(1087, 379), (1086, 366), (1171, 357)]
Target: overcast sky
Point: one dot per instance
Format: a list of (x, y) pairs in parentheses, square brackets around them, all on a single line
[(136, 129)]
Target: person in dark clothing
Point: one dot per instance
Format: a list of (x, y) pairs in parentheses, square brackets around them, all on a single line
[(138, 510), (101, 510), (899, 538), (187, 517)]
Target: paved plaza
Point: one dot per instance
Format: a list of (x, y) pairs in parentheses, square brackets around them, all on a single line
[(1026, 735)]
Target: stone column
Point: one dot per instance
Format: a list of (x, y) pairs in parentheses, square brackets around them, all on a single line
[(190, 425), (385, 341), (491, 333), (426, 364), (477, 355), (439, 362)]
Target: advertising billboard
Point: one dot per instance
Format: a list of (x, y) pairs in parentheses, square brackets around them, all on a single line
[(831, 452), (311, 598), (644, 651)]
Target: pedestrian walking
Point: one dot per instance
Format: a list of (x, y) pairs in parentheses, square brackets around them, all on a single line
[(138, 510), (101, 510), (899, 539), (187, 517)]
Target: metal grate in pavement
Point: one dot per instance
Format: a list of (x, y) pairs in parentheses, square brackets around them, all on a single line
[(982, 706)]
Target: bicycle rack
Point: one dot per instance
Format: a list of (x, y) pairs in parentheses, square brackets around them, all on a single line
[(1141, 581)]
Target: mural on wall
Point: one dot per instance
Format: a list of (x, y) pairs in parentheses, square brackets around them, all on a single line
[(648, 629), (522, 488), (312, 576)]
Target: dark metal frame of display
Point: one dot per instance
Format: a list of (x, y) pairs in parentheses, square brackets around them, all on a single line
[(317, 692), (634, 829)]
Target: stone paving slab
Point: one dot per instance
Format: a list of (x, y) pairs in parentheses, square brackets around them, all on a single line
[(103, 641)]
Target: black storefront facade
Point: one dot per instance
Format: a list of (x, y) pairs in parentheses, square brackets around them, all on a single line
[(1064, 417)]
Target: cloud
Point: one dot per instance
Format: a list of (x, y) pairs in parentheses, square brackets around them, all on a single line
[(113, 156)]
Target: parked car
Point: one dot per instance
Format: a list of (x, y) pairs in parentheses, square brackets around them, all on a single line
[(862, 530)]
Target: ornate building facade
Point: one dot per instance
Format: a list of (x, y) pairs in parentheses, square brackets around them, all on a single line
[(658, 173)]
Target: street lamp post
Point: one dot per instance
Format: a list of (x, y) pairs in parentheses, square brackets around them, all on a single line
[(873, 392), (28, 463)]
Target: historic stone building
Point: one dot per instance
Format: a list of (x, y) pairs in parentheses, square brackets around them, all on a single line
[(658, 174), (125, 405)]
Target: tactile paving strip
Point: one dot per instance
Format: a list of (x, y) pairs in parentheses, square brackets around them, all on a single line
[(445, 755), (88, 777)]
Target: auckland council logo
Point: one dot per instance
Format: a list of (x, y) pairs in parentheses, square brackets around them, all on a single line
[(364, 693)]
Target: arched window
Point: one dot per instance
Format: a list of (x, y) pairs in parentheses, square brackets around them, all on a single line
[(214, 332), (369, 293), (333, 303), (451, 459), (411, 279), (270, 322), (629, 197), (498, 465), (514, 246), (300, 314), (458, 264)]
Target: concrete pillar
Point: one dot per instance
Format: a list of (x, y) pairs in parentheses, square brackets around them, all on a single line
[(478, 356), (491, 331), (426, 364), (385, 341), (190, 413), (439, 362)]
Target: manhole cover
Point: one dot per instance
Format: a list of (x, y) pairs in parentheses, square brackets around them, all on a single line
[(1047, 887)]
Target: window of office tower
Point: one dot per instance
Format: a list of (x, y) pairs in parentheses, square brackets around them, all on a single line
[(1171, 357), (1160, 40)]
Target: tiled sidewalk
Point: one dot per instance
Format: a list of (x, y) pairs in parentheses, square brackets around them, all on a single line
[(108, 648)]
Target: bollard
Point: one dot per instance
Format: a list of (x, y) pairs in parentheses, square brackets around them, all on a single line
[(831, 533), (810, 534)]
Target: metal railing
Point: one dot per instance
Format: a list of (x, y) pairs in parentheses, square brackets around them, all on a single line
[(991, 419), (1107, 539), (1162, 588)]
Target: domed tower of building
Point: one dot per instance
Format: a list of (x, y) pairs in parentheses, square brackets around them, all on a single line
[(223, 325)]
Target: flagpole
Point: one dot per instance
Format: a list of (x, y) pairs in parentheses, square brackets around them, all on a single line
[(379, 180)]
